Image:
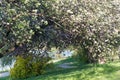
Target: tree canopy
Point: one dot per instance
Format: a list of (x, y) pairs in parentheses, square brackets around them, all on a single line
[(27, 24)]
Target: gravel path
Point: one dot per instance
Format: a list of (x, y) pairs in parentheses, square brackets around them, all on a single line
[(66, 65), (4, 74)]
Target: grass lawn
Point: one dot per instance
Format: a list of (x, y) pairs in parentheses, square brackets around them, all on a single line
[(108, 71)]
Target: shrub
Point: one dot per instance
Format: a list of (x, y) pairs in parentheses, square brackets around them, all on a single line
[(26, 67), (22, 68), (38, 67), (80, 55)]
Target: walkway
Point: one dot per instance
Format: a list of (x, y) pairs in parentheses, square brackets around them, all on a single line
[(67, 65)]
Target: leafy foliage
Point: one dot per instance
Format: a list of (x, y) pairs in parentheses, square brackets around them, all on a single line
[(24, 68), (93, 25), (24, 23), (80, 55), (42, 24)]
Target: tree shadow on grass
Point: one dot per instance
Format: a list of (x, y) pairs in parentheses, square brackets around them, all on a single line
[(82, 72)]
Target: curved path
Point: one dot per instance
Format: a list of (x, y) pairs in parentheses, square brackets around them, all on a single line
[(66, 65)]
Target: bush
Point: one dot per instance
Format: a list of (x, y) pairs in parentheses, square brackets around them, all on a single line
[(21, 68), (38, 67), (80, 55), (27, 67)]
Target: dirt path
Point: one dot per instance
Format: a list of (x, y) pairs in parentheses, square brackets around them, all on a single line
[(66, 65), (4, 74)]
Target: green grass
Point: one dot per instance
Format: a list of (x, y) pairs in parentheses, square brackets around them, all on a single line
[(108, 71), (4, 78)]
